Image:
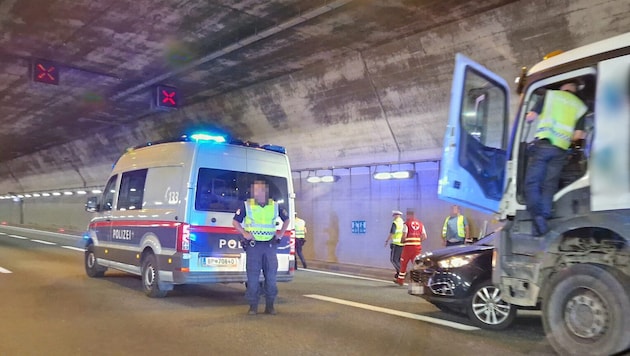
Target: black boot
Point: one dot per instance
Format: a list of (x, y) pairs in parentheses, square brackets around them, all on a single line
[(269, 309), (253, 310)]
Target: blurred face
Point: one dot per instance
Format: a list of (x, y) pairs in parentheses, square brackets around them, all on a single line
[(572, 87), (455, 210), (260, 191)]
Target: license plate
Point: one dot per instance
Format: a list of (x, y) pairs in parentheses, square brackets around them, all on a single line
[(220, 261), (416, 288)]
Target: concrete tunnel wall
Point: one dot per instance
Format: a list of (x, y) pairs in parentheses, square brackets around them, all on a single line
[(384, 105)]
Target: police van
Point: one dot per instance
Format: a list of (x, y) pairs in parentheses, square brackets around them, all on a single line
[(167, 208)]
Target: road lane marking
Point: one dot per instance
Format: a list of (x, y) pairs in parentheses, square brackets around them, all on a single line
[(346, 275), (19, 237), (427, 319), (4, 270), (44, 242), (74, 248)]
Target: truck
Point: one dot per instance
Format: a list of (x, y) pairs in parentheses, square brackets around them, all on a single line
[(578, 273)]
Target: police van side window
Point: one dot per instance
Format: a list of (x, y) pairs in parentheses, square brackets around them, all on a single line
[(108, 194), (132, 190)]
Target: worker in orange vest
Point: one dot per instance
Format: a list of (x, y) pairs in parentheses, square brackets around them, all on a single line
[(412, 241)]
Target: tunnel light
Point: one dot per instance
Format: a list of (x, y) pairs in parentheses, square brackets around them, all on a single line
[(81, 192), (68, 193), (56, 194), (314, 179), (45, 194), (27, 195), (20, 196), (393, 175), (36, 195), (96, 191)]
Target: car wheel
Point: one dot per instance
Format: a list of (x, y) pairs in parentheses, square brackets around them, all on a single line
[(151, 277), (92, 268), (586, 310), (487, 310)]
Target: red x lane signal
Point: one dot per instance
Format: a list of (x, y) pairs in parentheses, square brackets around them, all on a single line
[(45, 72), (166, 97)]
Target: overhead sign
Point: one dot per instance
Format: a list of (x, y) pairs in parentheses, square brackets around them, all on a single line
[(166, 97), (45, 72)]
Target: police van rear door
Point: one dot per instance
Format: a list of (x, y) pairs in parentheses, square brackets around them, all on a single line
[(472, 171)]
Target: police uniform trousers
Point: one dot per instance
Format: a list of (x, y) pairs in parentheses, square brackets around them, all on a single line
[(262, 256)]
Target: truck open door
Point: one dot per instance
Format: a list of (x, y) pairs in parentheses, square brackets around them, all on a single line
[(472, 171)]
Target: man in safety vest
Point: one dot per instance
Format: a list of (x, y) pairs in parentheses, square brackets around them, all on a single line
[(416, 233), (256, 221), (455, 230), (396, 232), (561, 121), (300, 239)]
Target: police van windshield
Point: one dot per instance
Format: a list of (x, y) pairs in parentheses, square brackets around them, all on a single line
[(224, 191)]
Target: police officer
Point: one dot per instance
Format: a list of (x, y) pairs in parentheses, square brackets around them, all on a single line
[(300, 239), (561, 121), (256, 222), (396, 232), (455, 230)]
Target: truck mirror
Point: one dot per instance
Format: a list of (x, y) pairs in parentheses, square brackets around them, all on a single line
[(92, 205)]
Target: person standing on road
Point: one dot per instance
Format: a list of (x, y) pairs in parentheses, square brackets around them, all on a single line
[(412, 241), (256, 222), (300, 239), (395, 236), (456, 229)]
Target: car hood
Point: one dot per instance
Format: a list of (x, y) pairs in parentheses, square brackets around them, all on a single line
[(455, 251)]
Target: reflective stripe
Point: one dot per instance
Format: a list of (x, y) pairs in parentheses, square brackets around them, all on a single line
[(461, 229), (300, 231)]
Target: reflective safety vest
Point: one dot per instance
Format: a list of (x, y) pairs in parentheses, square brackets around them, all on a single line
[(414, 233), (396, 239), (300, 228), (560, 113), (260, 221), (461, 229)]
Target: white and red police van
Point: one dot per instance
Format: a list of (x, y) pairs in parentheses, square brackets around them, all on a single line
[(167, 208)]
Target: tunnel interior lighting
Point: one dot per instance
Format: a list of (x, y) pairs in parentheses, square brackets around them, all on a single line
[(81, 192), (27, 195), (314, 179), (56, 194), (45, 194), (67, 193), (36, 195), (393, 175), (96, 191)]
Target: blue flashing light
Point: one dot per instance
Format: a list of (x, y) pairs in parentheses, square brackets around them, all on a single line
[(275, 148), (193, 237), (207, 137)]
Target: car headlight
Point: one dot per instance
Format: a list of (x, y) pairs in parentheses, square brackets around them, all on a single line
[(422, 256), (457, 261)]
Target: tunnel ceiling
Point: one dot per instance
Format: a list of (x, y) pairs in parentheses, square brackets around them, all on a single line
[(110, 55)]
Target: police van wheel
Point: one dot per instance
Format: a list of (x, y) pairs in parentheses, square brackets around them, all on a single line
[(92, 268), (586, 310), (151, 278)]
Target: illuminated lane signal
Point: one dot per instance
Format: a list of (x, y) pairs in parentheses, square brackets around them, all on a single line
[(45, 72), (166, 97)]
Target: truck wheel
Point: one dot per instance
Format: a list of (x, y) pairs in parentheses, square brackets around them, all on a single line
[(92, 268), (586, 310), (151, 277), (487, 310)]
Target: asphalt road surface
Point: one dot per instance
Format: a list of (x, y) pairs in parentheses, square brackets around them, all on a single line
[(50, 307)]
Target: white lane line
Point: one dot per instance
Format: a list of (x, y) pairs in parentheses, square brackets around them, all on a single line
[(4, 270), (44, 242), (346, 275), (19, 237), (394, 312), (2, 233), (74, 248)]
